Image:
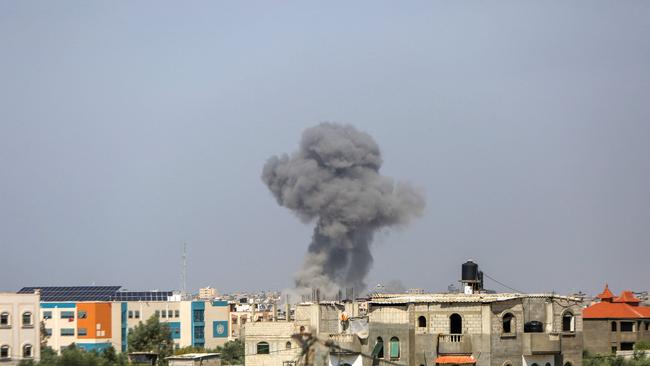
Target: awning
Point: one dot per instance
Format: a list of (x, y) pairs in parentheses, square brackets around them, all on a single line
[(378, 348), (455, 360)]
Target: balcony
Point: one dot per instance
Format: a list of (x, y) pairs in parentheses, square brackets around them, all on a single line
[(540, 343), (454, 344)]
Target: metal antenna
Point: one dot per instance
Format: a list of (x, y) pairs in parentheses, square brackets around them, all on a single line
[(184, 271)]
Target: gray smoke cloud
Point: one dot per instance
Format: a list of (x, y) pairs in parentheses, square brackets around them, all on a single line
[(334, 179)]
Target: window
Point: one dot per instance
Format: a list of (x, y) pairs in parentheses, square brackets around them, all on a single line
[(48, 332), (27, 319), (136, 314), (455, 324), (627, 346), (647, 325), (67, 315), (66, 332), (170, 313), (568, 322), (164, 313), (4, 351), (508, 320), (548, 364), (568, 364), (199, 332), (157, 313), (534, 364), (198, 316), (47, 315), (627, 327), (613, 326), (176, 313), (199, 344), (130, 314), (82, 332), (27, 351), (82, 314), (614, 349), (263, 348), (287, 345), (422, 321), (378, 351), (394, 348), (4, 319)]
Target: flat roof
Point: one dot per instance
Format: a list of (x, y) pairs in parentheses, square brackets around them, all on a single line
[(194, 356), (457, 297)]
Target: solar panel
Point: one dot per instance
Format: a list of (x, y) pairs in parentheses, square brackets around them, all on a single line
[(142, 295), (73, 293)]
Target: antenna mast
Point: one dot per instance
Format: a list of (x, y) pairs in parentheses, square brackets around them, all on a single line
[(184, 271)]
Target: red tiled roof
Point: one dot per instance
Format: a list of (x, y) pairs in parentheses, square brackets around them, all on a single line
[(627, 297), (456, 360), (617, 310), (606, 294)]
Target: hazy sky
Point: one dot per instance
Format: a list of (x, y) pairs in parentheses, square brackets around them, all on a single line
[(128, 128)]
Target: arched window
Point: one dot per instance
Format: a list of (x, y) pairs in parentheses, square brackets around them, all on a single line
[(568, 364), (508, 323), (263, 348), (455, 324), (548, 364), (534, 364), (422, 321), (394, 348), (27, 318), (568, 322), (378, 351), (287, 345), (4, 318), (4, 351), (27, 351), (614, 327)]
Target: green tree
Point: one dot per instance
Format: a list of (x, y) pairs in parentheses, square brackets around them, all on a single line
[(232, 353), (152, 336)]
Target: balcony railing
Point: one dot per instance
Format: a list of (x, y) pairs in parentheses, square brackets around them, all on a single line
[(454, 344)]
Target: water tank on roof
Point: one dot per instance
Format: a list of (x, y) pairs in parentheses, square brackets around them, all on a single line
[(469, 271)]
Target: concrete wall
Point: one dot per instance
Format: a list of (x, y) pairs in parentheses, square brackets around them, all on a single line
[(277, 335)]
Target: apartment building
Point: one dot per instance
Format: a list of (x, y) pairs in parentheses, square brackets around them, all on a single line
[(19, 327)]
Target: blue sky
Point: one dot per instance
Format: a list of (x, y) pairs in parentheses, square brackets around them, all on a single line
[(128, 128)]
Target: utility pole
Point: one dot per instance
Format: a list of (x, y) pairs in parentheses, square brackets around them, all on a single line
[(184, 272)]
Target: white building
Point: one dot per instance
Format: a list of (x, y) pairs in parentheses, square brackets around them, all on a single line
[(19, 327)]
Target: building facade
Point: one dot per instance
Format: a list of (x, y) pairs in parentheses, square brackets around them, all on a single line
[(97, 317), (19, 327), (615, 323)]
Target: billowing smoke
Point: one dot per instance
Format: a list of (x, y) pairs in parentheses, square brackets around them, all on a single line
[(334, 179)]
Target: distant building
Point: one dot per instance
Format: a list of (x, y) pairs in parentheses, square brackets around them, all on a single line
[(207, 293), (615, 323), (97, 317), (20, 334)]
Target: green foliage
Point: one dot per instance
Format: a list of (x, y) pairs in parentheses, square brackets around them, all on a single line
[(638, 359), (73, 356), (152, 336), (232, 353), (642, 345)]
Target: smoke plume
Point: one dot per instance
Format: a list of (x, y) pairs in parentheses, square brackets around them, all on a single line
[(334, 179)]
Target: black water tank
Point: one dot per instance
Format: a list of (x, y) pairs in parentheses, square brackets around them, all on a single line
[(534, 327), (469, 271)]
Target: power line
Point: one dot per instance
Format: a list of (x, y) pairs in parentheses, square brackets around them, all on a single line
[(502, 284)]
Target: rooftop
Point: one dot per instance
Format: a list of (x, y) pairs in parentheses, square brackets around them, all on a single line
[(194, 356), (458, 297)]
